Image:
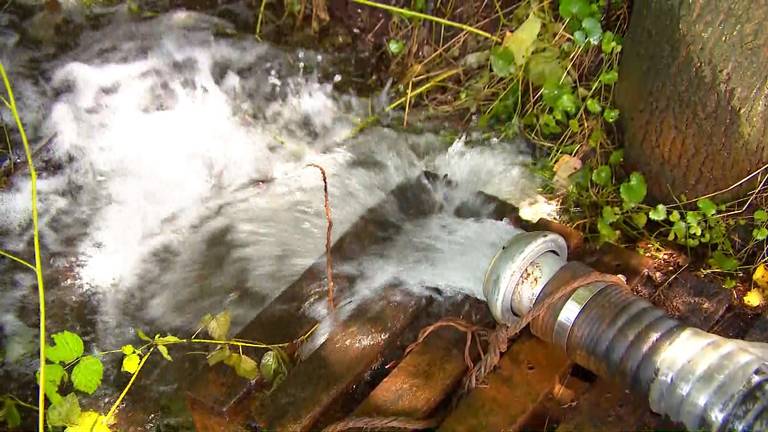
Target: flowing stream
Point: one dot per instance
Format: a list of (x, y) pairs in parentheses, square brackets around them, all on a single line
[(174, 182)]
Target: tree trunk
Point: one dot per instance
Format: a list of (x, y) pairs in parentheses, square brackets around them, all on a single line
[(693, 93)]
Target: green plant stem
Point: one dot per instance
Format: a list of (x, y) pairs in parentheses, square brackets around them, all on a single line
[(259, 19), (21, 402), (414, 14), (120, 398), (11, 102), (17, 259)]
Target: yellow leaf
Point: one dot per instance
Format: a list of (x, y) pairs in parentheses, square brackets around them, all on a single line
[(760, 276), (520, 42), (753, 298), (90, 421)]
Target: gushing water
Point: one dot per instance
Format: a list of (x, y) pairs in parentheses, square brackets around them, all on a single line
[(176, 182)]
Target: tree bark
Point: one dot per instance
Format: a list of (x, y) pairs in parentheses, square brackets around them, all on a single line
[(693, 93)]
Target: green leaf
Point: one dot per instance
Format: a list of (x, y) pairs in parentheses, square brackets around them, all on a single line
[(693, 217), (596, 136), (548, 124), (65, 412), (729, 283), (723, 262), (10, 414), (67, 347), (602, 175), (573, 124), (580, 37), (609, 77), (707, 207), (611, 114), (164, 352), (127, 349), (166, 339), (143, 336), (551, 93), (544, 67), (680, 229), (247, 368), (593, 106), (54, 375), (520, 42), (574, 8), (675, 216), (616, 157), (609, 44), (396, 47), (607, 234), (633, 190), (232, 359), (219, 326), (659, 213), (760, 216), (86, 376), (609, 215), (131, 363), (592, 29), (760, 234), (220, 354), (502, 61), (639, 219), (568, 103), (270, 364)]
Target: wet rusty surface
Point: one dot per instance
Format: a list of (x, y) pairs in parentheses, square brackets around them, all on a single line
[(607, 407), (424, 378), (527, 372), (350, 350)]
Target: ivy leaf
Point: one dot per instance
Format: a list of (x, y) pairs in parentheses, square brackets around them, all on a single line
[(723, 262), (164, 352), (611, 114), (602, 175), (594, 106), (609, 42), (502, 61), (127, 349), (10, 414), (131, 363), (247, 368), (616, 157), (67, 347), (760, 234), (86, 376), (520, 42), (640, 219), (593, 30), (633, 190), (609, 77), (580, 37), (609, 215), (396, 47), (90, 421), (659, 213), (693, 217), (220, 354), (143, 336), (707, 207), (568, 103), (54, 375), (574, 8), (674, 216), (679, 229), (760, 216), (270, 364), (218, 327), (607, 234), (65, 412)]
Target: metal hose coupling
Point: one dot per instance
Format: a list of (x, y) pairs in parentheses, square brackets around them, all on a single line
[(704, 381)]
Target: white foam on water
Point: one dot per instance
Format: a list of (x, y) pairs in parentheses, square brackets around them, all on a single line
[(184, 187)]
